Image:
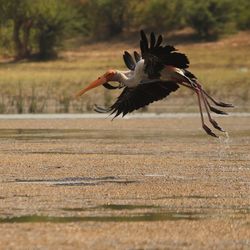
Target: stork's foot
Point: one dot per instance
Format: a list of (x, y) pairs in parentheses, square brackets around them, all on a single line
[(217, 111), (209, 131), (215, 124)]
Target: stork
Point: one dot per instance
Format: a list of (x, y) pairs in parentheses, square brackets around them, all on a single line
[(151, 76)]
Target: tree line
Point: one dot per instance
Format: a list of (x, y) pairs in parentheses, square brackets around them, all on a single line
[(39, 27)]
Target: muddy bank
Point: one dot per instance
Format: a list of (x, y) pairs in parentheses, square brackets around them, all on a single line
[(127, 184)]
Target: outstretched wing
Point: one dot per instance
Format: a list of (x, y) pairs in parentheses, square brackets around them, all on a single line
[(156, 55), (134, 98)]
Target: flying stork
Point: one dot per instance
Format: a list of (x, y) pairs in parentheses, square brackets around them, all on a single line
[(151, 76)]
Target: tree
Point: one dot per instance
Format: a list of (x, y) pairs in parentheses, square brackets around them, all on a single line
[(243, 14), (106, 17), (19, 12), (211, 17), (40, 24), (55, 21), (162, 14)]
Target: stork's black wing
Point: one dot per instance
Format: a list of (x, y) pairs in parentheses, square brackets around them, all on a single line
[(134, 98), (129, 60), (156, 55)]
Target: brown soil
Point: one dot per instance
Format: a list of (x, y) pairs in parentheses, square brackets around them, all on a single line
[(126, 184)]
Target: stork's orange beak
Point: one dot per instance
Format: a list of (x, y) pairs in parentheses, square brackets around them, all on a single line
[(96, 83), (101, 80)]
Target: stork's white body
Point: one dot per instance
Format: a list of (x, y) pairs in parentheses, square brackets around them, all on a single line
[(133, 78)]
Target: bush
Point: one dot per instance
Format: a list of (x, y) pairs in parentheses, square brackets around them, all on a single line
[(55, 21), (243, 14), (40, 27), (211, 18), (162, 15), (106, 18), (41, 24)]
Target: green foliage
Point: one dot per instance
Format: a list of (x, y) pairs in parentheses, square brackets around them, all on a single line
[(16, 14), (243, 14), (106, 17), (55, 21), (6, 43), (40, 27), (163, 15), (41, 24), (210, 18), (14, 9)]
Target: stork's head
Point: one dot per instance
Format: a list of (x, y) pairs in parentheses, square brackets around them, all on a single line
[(108, 76)]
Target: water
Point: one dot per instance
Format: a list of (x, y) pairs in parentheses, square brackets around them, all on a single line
[(224, 149), (153, 217), (133, 213), (77, 181)]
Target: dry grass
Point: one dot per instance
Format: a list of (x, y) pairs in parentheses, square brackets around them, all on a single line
[(223, 67)]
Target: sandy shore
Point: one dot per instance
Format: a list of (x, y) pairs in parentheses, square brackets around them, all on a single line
[(127, 184)]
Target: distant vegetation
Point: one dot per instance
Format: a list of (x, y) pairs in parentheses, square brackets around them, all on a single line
[(36, 29)]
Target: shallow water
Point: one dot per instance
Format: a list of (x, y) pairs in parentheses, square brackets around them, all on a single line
[(78, 181), (133, 218)]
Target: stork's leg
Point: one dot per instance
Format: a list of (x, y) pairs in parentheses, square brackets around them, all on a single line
[(205, 127), (197, 88), (200, 96), (207, 106), (212, 121), (221, 104), (213, 109)]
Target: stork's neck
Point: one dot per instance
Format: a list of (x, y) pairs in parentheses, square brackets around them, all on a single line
[(132, 78), (122, 76), (126, 78)]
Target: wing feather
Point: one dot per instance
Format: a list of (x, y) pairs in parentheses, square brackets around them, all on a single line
[(152, 40), (137, 56), (134, 98), (159, 41), (158, 56), (129, 61)]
